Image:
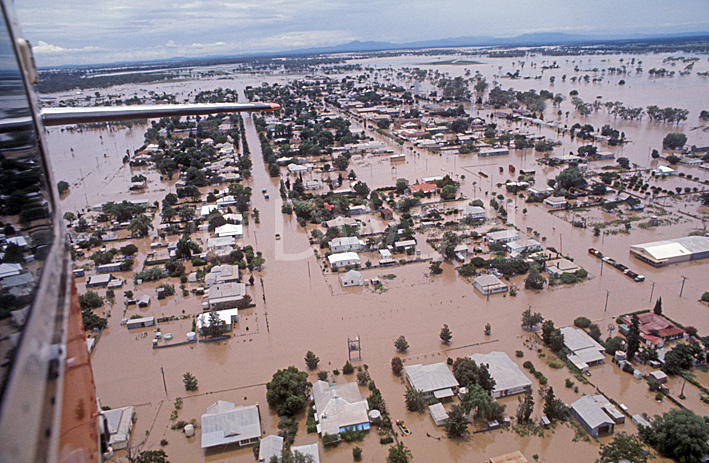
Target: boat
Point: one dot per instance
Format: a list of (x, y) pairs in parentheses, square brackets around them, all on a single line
[(404, 430)]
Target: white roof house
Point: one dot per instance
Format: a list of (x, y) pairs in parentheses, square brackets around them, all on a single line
[(229, 316), (270, 446), (339, 408), (435, 380), (221, 274), (207, 209), (556, 267), (502, 236), (308, 450), (345, 244), (589, 412), (225, 295), (8, 270), (237, 231), (474, 212), (217, 244), (555, 202), (509, 379), (523, 245), (351, 278), (225, 423), (120, 424), (489, 284), (343, 259), (585, 350)]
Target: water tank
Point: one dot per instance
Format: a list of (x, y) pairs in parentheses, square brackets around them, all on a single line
[(374, 415), (191, 336), (189, 430)]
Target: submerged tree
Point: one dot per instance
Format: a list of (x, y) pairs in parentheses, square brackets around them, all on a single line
[(311, 360), (446, 334)]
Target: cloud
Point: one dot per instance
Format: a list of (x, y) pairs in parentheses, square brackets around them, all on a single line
[(44, 48)]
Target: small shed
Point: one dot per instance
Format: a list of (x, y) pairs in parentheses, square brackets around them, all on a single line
[(140, 322), (144, 301), (438, 413), (658, 376)]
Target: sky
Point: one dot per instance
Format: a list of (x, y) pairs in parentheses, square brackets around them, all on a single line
[(106, 31)]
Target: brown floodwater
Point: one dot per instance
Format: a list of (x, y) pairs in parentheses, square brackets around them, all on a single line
[(300, 306)]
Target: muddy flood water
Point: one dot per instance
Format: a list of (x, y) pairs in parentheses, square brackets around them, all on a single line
[(301, 306)]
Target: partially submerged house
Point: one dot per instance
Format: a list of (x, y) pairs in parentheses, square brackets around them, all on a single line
[(556, 267), (585, 351), (225, 423), (120, 425), (438, 413), (346, 244), (435, 380), (351, 278), (229, 317), (489, 284), (509, 379), (502, 236), (339, 408), (221, 274), (343, 259), (596, 414), (224, 296)]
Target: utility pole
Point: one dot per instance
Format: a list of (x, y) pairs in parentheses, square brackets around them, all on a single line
[(561, 244), (607, 294), (684, 278), (163, 379), (601, 267), (652, 290)]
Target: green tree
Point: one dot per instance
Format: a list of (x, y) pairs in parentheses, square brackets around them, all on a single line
[(448, 192), (152, 456), (287, 390), (399, 454), (457, 422), (530, 320), (674, 141), (375, 201), (396, 365), (311, 360), (140, 225), (401, 344), (570, 177), (633, 338), (341, 162), (554, 408), (534, 279), (190, 382), (680, 358), (547, 331), (525, 409), (214, 326), (623, 447), (678, 434), (401, 185), (62, 186), (447, 244), (69, 216), (623, 162), (361, 189), (446, 334), (435, 267), (415, 400), (90, 300), (658, 306)]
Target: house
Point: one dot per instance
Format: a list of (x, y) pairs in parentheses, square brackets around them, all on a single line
[(687, 161), (19, 285), (339, 222), (438, 413), (343, 259), (485, 152), (225, 423), (658, 376), (221, 274), (98, 280), (120, 425), (339, 408), (524, 245), (357, 210), (502, 236), (585, 351), (435, 380), (404, 245), (386, 214), (514, 457), (226, 230), (589, 411), (351, 278), (556, 267), (474, 212), (9, 270), (308, 450), (664, 171), (655, 325), (489, 284), (346, 244), (110, 267), (230, 317), (424, 187), (224, 296), (509, 379), (143, 322), (555, 202), (221, 244), (207, 209), (270, 446)]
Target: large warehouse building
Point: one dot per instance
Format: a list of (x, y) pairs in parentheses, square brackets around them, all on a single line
[(660, 253)]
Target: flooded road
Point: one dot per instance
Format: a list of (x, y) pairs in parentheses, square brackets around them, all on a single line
[(300, 306)]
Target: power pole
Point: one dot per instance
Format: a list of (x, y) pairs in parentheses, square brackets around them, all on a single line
[(607, 294), (652, 290), (684, 278), (163, 379)]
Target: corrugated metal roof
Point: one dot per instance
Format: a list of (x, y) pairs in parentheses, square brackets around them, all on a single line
[(429, 378), (504, 371)]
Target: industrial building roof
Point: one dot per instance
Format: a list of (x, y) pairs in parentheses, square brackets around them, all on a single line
[(676, 247)]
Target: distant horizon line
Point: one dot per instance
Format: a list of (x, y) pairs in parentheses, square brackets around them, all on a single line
[(528, 39)]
